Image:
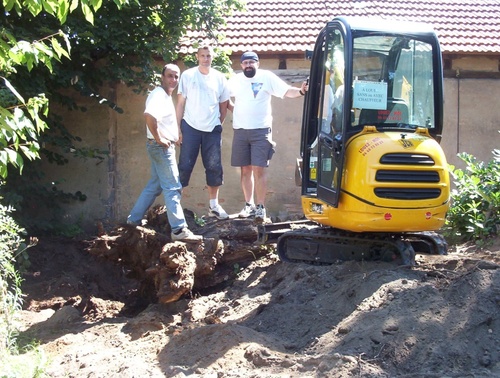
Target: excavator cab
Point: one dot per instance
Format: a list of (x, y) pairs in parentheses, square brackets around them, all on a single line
[(374, 178)]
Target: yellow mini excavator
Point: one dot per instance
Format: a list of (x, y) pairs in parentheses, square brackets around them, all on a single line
[(375, 181)]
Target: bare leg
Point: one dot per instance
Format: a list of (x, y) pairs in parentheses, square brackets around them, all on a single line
[(260, 176), (247, 183), (213, 192)]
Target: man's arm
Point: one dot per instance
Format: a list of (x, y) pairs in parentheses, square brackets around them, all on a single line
[(152, 125), (294, 92), (179, 111), (223, 106)]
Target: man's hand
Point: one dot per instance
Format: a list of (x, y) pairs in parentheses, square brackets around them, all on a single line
[(305, 86), (164, 142)]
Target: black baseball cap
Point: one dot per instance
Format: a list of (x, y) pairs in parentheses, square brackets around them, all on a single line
[(249, 55)]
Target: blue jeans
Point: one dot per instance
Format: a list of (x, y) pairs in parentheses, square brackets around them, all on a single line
[(164, 178), (210, 144)]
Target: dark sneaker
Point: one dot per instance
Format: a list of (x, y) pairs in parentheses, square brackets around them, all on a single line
[(218, 212), (247, 211), (186, 235)]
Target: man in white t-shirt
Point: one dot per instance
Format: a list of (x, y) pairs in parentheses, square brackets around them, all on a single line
[(202, 99), (162, 135), (253, 146)]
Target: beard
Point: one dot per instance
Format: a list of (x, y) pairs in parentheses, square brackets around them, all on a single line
[(249, 72)]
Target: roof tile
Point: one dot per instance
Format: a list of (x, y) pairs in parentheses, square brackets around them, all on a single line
[(292, 25)]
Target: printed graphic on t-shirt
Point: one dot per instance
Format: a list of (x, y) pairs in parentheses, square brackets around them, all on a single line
[(256, 87)]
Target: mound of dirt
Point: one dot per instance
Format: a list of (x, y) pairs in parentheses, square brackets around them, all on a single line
[(274, 319)]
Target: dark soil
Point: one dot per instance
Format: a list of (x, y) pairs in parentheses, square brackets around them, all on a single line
[(274, 319)]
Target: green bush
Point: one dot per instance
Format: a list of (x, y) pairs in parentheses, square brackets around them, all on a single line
[(15, 361), (10, 279), (475, 201)]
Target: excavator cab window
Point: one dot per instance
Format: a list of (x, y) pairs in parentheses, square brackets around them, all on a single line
[(392, 84)]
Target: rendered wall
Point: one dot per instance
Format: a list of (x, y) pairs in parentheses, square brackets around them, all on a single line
[(471, 119), (283, 196), (112, 186)]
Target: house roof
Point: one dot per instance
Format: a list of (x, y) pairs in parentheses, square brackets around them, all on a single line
[(291, 26)]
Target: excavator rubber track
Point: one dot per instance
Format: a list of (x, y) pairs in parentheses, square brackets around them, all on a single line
[(315, 244)]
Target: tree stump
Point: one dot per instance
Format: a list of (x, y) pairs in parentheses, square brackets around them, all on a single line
[(168, 270)]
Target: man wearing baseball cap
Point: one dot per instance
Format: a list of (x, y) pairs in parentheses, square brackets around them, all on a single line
[(253, 146)]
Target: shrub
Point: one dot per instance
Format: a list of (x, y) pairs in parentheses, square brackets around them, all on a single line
[(28, 361), (475, 202), (11, 245)]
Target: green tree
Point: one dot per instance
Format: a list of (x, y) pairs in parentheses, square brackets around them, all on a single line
[(123, 43), (51, 47), (21, 122)]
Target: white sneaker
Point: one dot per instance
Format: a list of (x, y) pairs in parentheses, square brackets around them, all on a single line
[(142, 222), (218, 212), (247, 211), (186, 235), (260, 213)]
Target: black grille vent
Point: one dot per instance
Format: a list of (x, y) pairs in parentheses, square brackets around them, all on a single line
[(408, 193), (407, 159), (406, 176)]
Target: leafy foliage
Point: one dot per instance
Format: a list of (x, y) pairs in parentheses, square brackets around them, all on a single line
[(23, 120), (12, 249), (475, 207), (49, 47), (80, 54), (121, 46)]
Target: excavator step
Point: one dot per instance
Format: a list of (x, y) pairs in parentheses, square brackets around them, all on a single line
[(270, 232)]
